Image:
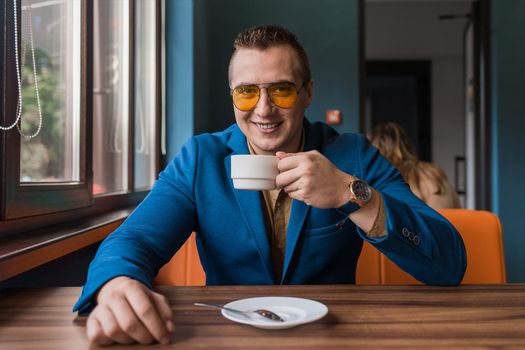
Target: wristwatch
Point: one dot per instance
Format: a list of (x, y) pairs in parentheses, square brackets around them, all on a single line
[(360, 193)]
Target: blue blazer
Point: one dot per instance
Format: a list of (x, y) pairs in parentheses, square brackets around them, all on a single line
[(195, 193)]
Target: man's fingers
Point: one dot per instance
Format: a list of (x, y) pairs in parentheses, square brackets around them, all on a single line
[(129, 322), (295, 192), (127, 312), (289, 162), (287, 178), (95, 333), (163, 307), (282, 155), (111, 327), (143, 306)]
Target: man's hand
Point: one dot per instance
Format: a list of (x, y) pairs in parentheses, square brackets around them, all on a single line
[(128, 312), (310, 177)]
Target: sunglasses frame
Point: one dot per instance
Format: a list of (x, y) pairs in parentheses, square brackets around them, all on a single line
[(266, 86)]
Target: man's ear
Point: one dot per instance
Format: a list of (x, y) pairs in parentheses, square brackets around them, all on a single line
[(309, 87)]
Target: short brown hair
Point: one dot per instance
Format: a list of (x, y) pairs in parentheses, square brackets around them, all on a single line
[(264, 37)]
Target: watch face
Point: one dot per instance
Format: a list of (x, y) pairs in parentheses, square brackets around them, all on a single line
[(361, 190)]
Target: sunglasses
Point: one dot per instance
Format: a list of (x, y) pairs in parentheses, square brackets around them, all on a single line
[(283, 95)]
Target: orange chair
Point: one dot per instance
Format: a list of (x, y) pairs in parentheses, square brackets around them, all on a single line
[(480, 230), (481, 233), (184, 269)]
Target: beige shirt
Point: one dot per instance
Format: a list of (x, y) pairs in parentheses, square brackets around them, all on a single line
[(277, 206)]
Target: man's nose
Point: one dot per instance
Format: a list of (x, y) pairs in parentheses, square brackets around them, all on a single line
[(264, 106)]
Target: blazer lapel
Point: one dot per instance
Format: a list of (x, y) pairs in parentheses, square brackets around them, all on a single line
[(299, 210), (295, 226), (250, 205)]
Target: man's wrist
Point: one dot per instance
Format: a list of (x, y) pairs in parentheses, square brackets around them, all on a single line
[(357, 194), (343, 193)]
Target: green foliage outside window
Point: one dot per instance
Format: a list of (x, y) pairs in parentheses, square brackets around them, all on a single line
[(42, 157)]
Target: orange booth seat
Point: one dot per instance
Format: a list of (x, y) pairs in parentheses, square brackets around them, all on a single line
[(480, 230)]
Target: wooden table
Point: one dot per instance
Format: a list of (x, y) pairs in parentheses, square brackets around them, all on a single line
[(371, 317)]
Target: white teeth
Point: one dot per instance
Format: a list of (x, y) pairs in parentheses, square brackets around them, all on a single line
[(266, 126)]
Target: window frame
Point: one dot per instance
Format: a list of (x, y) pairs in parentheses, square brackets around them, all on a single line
[(26, 207)]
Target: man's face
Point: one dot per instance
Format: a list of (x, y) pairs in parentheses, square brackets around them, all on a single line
[(267, 127)]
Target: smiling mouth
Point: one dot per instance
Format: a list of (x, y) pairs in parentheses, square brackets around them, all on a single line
[(267, 126)]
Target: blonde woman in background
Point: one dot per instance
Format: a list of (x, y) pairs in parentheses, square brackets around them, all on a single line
[(426, 180)]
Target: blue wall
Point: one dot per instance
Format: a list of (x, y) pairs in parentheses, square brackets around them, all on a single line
[(327, 29), (508, 119), (179, 74)]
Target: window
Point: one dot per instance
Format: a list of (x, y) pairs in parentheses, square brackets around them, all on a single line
[(90, 108), (147, 95), (111, 98), (51, 32)]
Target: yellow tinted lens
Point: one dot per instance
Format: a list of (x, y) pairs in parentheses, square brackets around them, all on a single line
[(245, 97), (283, 95)]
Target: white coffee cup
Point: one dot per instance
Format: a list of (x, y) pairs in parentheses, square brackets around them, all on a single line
[(254, 172)]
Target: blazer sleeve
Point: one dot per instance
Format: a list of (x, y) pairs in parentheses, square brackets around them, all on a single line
[(152, 234), (419, 240)]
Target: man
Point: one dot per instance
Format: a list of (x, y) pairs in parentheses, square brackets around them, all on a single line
[(333, 192)]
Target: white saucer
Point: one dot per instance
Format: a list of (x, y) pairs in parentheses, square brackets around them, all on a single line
[(294, 311)]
